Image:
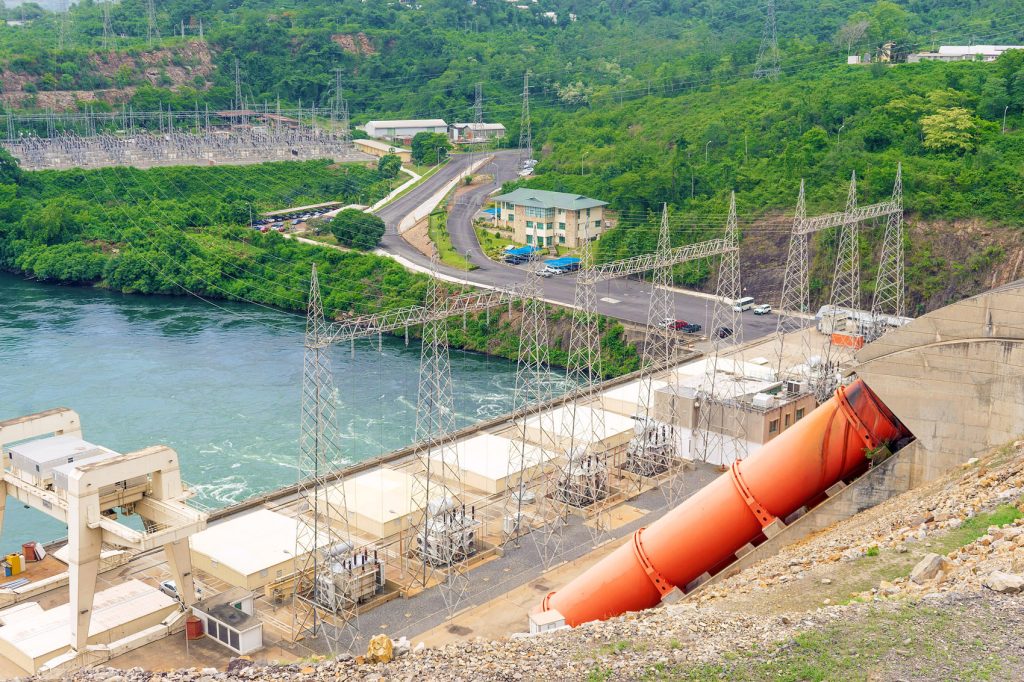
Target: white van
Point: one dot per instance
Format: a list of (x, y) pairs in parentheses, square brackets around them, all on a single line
[(741, 304)]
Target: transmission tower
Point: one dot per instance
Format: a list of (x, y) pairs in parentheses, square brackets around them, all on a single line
[(478, 104), (319, 608), (152, 32), (239, 103), (582, 480), (721, 427), (443, 527), (652, 451), (108, 33), (63, 25), (525, 136), (532, 389), (889, 297), (795, 303), (768, 55), (845, 296)]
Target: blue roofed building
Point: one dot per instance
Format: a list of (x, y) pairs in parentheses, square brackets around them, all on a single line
[(542, 218)]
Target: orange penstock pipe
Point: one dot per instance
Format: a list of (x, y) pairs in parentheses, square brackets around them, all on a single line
[(707, 529)]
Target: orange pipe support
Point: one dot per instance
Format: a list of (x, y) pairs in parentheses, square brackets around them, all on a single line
[(706, 530)]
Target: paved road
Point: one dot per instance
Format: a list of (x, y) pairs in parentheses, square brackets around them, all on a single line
[(625, 299)]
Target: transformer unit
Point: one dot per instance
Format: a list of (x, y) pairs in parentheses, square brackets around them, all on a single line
[(584, 480), (35, 460), (652, 449), (449, 533), (353, 578)]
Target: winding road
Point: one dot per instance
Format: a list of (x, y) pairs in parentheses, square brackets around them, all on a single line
[(625, 299)]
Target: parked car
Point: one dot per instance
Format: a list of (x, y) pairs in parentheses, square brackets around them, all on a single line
[(762, 309), (169, 588), (724, 332), (691, 328), (668, 322), (677, 324)]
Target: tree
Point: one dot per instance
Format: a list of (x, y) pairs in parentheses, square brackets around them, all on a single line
[(10, 170), (389, 165), (949, 130), (852, 33), (430, 147), (356, 229)]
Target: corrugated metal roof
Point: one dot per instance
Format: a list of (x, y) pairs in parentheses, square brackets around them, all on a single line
[(542, 198), (409, 123)]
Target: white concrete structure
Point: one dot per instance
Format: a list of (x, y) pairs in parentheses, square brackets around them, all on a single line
[(250, 550), (382, 502), (30, 635), (625, 399), (490, 463), (555, 430), (87, 491), (470, 133), (961, 53), (404, 129), (230, 618)]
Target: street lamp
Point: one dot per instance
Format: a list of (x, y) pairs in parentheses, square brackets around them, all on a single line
[(706, 151), (838, 133), (1004, 117), (583, 154)]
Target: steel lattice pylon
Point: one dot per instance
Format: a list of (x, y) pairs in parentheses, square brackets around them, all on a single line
[(721, 428), (845, 295), (317, 608), (653, 449), (796, 289), (890, 290), (582, 479), (525, 135), (768, 54), (152, 31), (534, 427), (444, 535)]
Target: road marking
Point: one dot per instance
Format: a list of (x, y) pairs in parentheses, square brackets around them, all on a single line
[(611, 300)]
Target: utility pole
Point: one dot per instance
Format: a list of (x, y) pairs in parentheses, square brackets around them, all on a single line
[(440, 530), (653, 450), (318, 607), (721, 429), (478, 104), (890, 286), (768, 54), (152, 32), (108, 33), (525, 136)]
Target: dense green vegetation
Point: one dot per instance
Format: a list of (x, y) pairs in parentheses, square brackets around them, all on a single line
[(356, 229), (430, 148)]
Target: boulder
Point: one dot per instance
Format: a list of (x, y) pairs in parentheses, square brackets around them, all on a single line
[(1006, 583), (929, 567)]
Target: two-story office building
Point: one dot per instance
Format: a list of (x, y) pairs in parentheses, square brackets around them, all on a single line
[(541, 218)]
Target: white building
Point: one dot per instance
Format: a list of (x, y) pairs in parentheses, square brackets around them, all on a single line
[(404, 130), (463, 133), (964, 53)]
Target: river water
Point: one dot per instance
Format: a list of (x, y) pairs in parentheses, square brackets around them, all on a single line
[(218, 383)]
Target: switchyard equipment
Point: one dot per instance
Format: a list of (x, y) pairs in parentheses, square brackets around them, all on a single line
[(449, 534), (48, 466), (584, 479), (353, 577), (652, 450), (703, 533)]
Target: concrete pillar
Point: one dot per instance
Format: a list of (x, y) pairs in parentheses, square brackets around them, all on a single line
[(179, 560), (3, 504), (84, 546)]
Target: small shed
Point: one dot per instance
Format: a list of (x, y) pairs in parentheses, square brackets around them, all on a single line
[(491, 463), (250, 550), (562, 428), (625, 399), (382, 502), (230, 618), (379, 149)]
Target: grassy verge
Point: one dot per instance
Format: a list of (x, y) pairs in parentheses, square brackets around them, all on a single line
[(438, 233), (491, 244), (424, 172)]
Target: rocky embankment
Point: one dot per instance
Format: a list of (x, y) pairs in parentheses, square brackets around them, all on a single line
[(920, 587)]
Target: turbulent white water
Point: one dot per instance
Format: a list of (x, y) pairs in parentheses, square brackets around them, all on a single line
[(220, 385)]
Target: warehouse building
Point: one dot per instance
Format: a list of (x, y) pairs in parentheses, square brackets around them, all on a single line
[(227, 551), (490, 463), (379, 149), (404, 130), (538, 217)]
